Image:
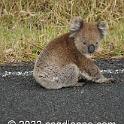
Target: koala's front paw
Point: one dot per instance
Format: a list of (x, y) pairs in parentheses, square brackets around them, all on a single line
[(106, 80), (110, 80)]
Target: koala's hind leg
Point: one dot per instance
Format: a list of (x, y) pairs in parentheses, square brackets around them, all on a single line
[(56, 78), (70, 75)]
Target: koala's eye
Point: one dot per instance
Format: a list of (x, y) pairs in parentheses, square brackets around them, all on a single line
[(84, 43), (96, 42)]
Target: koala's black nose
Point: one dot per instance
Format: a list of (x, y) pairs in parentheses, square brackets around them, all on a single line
[(91, 48)]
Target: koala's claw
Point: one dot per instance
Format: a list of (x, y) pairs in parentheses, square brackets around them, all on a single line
[(111, 80), (106, 80)]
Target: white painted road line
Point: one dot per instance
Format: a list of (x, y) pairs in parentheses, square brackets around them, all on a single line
[(16, 73), (29, 73), (111, 71)]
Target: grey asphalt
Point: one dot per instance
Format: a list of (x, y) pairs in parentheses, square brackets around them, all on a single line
[(22, 99)]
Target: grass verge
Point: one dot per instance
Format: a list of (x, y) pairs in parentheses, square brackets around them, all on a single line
[(27, 26)]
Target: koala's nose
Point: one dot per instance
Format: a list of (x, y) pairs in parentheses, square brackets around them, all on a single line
[(91, 48)]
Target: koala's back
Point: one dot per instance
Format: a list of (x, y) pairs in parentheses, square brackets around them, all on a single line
[(61, 51)]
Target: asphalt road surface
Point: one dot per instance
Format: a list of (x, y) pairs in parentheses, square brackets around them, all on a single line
[(26, 102)]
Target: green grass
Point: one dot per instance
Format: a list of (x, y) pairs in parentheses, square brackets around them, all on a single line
[(113, 45), (27, 26), (23, 44)]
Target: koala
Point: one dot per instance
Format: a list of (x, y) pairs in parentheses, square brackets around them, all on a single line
[(63, 62)]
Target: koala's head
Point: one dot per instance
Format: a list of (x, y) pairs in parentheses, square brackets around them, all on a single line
[(87, 36)]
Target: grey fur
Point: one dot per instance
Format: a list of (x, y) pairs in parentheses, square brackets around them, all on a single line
[(103, 27), (75, 25), (64, 62)]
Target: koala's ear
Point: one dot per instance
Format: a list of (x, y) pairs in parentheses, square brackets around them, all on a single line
[(103, 27), (76, 24)]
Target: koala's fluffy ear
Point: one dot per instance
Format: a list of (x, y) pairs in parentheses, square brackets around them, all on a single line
[(103, 27), (75, 25)]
